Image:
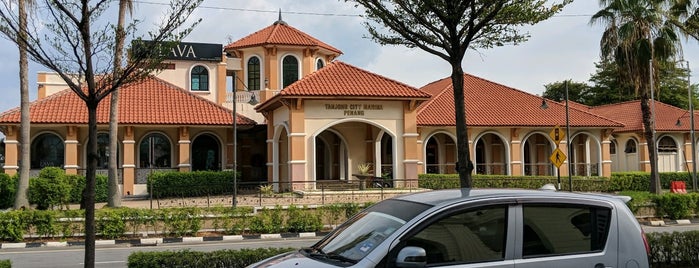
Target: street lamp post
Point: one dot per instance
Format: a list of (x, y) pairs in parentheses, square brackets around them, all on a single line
[(691, 129), (251, 101), (568, 146)]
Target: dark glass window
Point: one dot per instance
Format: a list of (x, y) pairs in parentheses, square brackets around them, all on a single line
[(476, 235), (48, 150), (290, 70), (630, 147), (563, 229), (200, 78), (155, 152), (612, 147), (102, 150), (254, 73), (667, 145), (319, 64)]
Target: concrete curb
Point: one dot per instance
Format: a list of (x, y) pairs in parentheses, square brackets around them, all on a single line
[(161, 241)]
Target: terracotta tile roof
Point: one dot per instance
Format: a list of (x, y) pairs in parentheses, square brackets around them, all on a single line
[(341, 79), (629, 113), (151, 101), (280, 34), (492, 104)]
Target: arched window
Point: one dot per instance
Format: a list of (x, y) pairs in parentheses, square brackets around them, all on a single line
[(155, 152), (48, 150), (254, 73), (630, 147), (200, 78), (319, 64), (612, 147), (667, 145), (290, 70)]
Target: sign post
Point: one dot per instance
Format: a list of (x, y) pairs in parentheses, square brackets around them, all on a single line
[(557, 157)]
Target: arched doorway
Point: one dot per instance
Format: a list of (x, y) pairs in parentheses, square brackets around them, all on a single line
[(331, 156), (536, 151), (586, 155), (206, 153), (491, 155), (631, 156), (47, 150), (667, 155), (440, 154), (280, 177), (386, 155)]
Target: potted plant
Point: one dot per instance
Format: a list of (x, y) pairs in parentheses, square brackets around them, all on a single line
[(364, 170)]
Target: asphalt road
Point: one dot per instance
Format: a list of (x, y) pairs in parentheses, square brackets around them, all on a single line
[(116, 256)]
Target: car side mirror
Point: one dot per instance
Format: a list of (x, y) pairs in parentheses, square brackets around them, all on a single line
[(410, 257)]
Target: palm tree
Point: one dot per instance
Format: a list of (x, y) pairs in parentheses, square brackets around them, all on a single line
[(640, 35), (21, 200), (114, 199)]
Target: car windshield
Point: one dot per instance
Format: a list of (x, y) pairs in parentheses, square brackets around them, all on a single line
[(357, 237)]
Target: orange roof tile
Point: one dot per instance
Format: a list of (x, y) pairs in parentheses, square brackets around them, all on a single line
[(151, 101), (492, 104), (280, 33), (629, 113), (341, 79)]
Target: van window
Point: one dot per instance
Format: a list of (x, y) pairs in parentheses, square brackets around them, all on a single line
[(563, 229), (465, 237)]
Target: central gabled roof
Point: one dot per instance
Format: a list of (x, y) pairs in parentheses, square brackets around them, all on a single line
[(339, 80), (492, 104), (282, 34), (151, 101)]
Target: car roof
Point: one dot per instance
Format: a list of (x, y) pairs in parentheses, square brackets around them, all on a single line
[(469, 194)]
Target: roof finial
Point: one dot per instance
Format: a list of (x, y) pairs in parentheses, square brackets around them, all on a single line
[(280, 21)]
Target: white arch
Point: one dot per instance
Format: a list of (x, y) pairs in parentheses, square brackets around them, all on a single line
[(505, 142), (597, 142), (427, 139), (138, 152), (208, 75), (678, 163), (525, 138), (343, 169), (262, 71), (275, 152), (281, 68), (216, 138)]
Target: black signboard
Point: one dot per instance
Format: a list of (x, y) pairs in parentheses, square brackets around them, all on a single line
[(189, 51)]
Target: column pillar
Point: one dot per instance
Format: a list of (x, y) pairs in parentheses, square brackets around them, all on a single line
[(297, 145), (71, 150), (515, 153), (12, 151), (184, 147), (129, 163), (410, 155), (643, 156), (606, 155)]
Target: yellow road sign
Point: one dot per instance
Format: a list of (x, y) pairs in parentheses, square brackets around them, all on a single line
[(557, 134), (557, 157)]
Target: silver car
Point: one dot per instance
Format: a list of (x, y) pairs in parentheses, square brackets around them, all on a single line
[(482, 228)]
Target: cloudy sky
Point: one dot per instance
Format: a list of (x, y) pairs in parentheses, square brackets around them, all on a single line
[(563, 47)]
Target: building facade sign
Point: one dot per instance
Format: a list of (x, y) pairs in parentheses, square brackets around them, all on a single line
[(354, 109), (189, 51)]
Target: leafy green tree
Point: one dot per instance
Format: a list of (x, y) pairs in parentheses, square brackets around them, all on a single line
[(577, 91), (607, 86), (639, 36), (447, 29), (77, 43)]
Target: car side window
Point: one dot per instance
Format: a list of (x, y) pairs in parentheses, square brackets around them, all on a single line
[(563, 229), (476, 235)]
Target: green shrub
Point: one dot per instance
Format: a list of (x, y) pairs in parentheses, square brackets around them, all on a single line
[(187, 184), (676, 249), (268, 221), (451, 181), (215, 259), (77, 183), (45, 222), (50, 189), (676, 206), (638, 199), (8, 187), (5, 264), (13, 224), (303, 220), (110, 223), (182, 221)]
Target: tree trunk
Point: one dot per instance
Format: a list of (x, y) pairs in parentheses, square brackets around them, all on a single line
[(648, 130), (21, 200), (89, 193), (465, 166)]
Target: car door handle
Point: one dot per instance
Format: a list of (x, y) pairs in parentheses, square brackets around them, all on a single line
[(601, 265)]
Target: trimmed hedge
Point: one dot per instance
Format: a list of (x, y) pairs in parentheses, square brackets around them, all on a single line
[(619, 181), (187, 184), (676, 249), (187, 258), (5, 264)]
